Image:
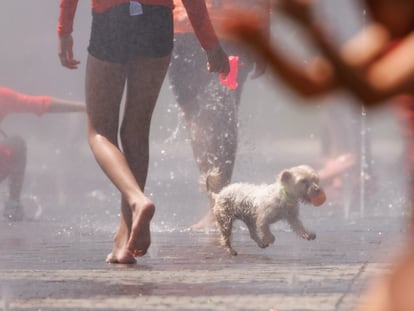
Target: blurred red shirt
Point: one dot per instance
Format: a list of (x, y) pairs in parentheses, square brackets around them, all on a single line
[(14, 102)]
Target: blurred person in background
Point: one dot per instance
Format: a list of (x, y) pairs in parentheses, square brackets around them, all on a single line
[(346, 169), (210, 109), (13, 152), (130, 48)]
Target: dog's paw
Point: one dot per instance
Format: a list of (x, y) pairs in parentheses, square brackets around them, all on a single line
[(310, 236), (270, 239), (232, 252), (262, 244)]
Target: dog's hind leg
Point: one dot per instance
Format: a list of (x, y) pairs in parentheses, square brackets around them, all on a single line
[(226, 228)]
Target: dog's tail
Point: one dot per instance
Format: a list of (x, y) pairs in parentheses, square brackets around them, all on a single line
[(212, 181)]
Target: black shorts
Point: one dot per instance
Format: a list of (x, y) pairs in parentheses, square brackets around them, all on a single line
[(117, 37), (188, 74)]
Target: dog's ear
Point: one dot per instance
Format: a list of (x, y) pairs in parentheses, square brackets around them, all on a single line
[(285, 176)]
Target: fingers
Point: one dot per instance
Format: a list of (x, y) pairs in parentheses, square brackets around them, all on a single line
[(223, 68), (218, 60), (68, 61), (66, 52)]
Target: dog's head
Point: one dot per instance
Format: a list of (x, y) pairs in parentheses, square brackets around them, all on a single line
[(301, 183)]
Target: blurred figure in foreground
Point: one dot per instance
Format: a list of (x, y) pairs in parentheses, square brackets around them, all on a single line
[(377, 65), (13, 148), (210, 109), (130, 48)]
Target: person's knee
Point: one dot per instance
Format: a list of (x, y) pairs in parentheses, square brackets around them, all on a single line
[(98, 138)]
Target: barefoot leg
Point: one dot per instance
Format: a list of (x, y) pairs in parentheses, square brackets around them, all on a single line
[(127, 245), (210, 112), (120, 252), (213, 134), (103, 97), (140, 237), (141, 96)]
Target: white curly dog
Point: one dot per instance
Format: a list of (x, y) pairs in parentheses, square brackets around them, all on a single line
[(259, 206)]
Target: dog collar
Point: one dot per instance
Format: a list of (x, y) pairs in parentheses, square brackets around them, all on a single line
[(289, 199)]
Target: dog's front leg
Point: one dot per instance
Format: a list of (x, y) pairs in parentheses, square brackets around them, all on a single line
[(263, 223), (251, 225), (300, 230), (268, 237)]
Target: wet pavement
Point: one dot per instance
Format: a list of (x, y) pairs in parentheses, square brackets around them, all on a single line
[(55, 260), (49, 265)]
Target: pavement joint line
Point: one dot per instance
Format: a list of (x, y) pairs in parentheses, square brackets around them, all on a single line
[(191, 276), (351, 284)]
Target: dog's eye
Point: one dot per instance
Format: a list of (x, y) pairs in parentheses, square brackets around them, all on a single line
[(304, 182)]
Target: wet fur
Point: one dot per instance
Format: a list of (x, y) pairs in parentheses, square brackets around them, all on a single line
[(259, 206)]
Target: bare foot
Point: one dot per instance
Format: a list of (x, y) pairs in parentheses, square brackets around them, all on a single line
[(123, 256), (140, 237), (207, 222), (120, 254)]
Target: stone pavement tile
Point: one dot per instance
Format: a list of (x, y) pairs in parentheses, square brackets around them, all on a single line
[(45, 269), (287, 287)]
